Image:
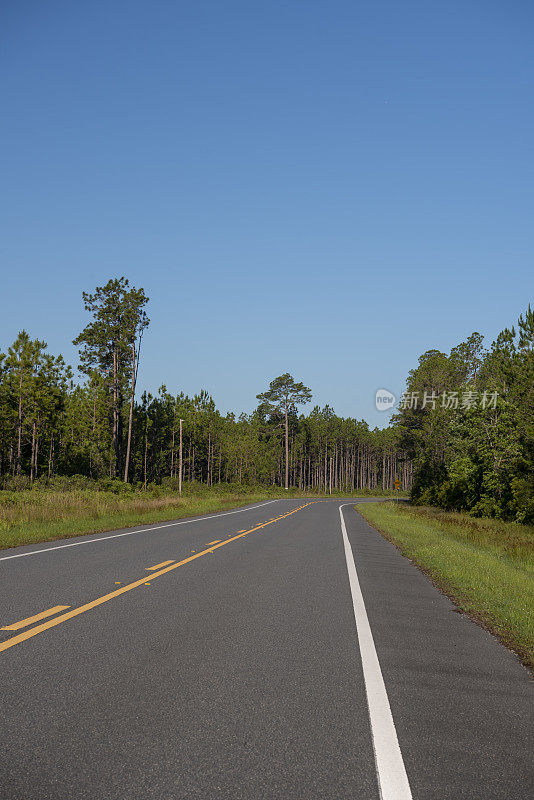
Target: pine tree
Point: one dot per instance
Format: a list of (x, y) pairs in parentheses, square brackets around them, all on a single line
[(282, 396), (111, 344)]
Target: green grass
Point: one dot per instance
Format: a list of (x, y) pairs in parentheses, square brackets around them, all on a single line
[(485, 566), (44, 514)]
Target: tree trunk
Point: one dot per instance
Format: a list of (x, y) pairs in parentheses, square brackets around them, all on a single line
[(208, 476), (114, 466), (189, 461), (180, 463), (172, 448), (146, 451), (36, 450), (32, 459), (135, 365), (92, 459), (19, 444), (287, 448)]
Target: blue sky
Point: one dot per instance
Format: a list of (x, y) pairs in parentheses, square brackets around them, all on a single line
[(325, 188)]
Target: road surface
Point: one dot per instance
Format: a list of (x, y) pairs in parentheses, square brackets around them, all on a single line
[(280, 651)]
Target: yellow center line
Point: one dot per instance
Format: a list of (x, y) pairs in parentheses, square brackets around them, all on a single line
[(215, 542), (25, 622), (163, 564), (21, 637)]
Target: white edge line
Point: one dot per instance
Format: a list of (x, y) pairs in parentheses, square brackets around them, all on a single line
[(391, 773), (143, 530)]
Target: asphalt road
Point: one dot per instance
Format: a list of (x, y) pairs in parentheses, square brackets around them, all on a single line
[(296, 657)]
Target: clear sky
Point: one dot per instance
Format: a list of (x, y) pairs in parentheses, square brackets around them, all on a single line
[(324, 188)]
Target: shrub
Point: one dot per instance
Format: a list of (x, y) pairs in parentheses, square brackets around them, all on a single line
[(15, 483)]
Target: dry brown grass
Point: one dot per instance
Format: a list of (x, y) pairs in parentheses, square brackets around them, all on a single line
[(35, 516), (23, 508)]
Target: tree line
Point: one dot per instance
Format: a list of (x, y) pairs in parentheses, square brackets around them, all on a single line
[(462, 437), (466, 421), (52, 425)]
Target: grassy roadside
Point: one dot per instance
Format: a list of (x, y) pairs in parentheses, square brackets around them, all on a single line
[(485, 566), (41, 515), (60, 515)]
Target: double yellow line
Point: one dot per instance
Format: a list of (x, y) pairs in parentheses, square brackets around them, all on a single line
[(51, 623)]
